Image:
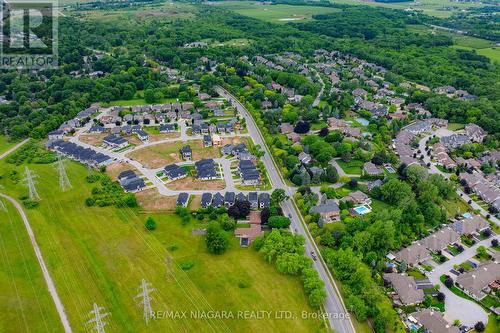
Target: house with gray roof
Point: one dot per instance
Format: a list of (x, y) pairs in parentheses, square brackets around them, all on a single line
[(413, 254), (433, 321), (405, 287), (475, 283), (328, 210)]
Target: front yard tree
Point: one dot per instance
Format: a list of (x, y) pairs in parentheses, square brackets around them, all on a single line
[(216, 239), (279, 222), (278, 196)]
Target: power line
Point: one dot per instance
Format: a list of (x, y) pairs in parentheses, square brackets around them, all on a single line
[(2, 205), (30, 181), (146, 300), (64, 183), (98, 321), (168, 263)]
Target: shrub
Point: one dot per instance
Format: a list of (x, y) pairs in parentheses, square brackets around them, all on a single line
[(186, 265), (150, 224)]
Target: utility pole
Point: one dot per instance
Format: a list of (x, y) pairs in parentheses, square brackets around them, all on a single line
[(64, 183), (29, 180), (97, 320), (146, 300)]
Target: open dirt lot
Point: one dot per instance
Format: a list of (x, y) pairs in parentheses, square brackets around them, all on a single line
[(94, 139), (165, 153), (114, 169), (190, 183), (151, 201), (163, 136)]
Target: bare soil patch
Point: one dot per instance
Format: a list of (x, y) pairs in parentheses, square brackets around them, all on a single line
[(190, 183), (150, 200), (94, 139), (115, 168)]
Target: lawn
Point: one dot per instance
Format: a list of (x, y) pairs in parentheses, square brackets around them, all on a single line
[(455, 126), (276, 13), (100, 255), (159, 155), (352, 167), (456, 206), (26, 305)]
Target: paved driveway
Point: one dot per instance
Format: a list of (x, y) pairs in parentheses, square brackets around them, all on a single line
[(468, 312)]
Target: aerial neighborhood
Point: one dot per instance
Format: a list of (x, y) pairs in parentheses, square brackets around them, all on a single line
[(334, 164)]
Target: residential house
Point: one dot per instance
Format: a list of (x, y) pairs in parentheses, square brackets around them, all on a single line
[(372, 170), (471, 225), (419, 127), (115, 141), (229, 199), (475, 133), (206, 199), (264, 200), (143, 136), (358, 198), (248, 173), (286, 128), (174, 172), (405, 287), (253, 198), (476, 282), (439, 240), (56, 135), (182, 199), (186, 152), (327, 209), (454, 141), (413, 254), (167, 128), (217, 200), (130, 181), (207, 141), (248, 235), (96, 129), (433, 321), (375, 183), (216, 140), (206, 169), (241, 197), (304, 158)]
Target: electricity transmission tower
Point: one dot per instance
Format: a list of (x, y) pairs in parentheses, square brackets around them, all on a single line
[(146, 300), (29, 180), (64, 183), (97, 319)]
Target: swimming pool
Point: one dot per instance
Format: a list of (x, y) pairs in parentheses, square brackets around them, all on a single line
[(361, 210), (390, 169)]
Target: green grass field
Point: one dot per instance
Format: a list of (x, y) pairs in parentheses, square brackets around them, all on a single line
[(481, 46), (25, 302), (5, 144), (100, 255), (455, 126), (351, 167), (276, 13)]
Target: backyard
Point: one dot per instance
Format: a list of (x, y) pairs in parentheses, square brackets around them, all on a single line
[(99, 255)]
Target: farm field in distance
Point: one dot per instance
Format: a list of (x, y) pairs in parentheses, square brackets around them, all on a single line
[(100, 255), (438, 8), (275, 13), (481, 46)]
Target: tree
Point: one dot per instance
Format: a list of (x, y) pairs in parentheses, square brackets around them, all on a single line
[(302, 127), (323, 132), (440, 296), (216, 239), (150, 224), (239, 210), (278, 196), (448, 282), (494, 242), (479, 327), (279, 222)]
